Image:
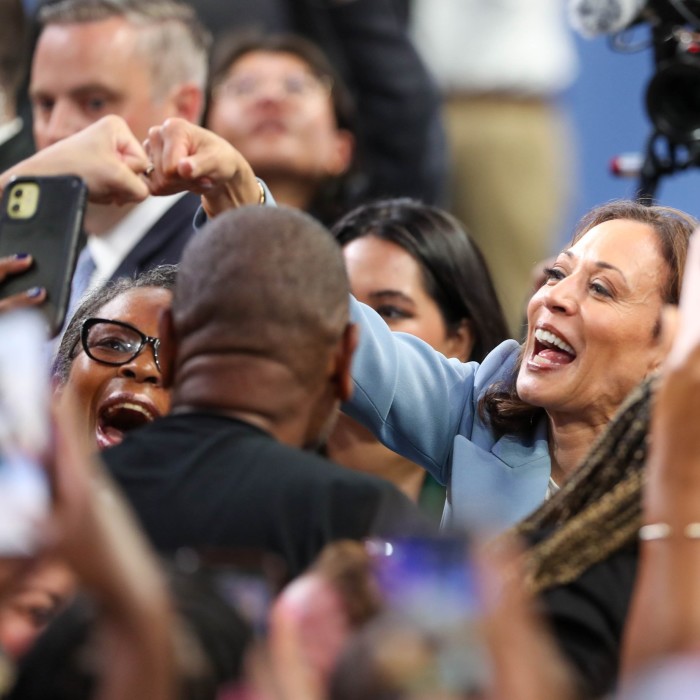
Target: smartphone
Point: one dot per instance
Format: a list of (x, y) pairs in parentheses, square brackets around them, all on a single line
[(431, 583), (25, 492), (43, 216)]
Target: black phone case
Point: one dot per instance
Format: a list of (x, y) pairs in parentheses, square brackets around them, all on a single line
[(52, 236)]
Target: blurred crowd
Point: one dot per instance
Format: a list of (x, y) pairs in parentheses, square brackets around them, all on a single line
[(319, 417)]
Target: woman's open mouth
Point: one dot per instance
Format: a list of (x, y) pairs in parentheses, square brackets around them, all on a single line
[(551, 349), (121, 414)]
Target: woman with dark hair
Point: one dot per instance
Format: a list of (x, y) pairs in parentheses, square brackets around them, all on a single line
[(504, 434), (107, 362), (448, 262), (421, 271), (280, 102)]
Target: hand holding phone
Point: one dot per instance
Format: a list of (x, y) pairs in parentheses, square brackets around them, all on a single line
[(16, 265), (42, 217)]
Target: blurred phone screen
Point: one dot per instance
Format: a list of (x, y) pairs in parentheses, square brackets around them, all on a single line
[(431, 583), (25, 493)]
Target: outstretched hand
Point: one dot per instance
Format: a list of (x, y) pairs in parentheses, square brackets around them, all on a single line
[(675, 439), (188, 157), (106, 155)]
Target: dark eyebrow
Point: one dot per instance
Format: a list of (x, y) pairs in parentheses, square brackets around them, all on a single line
[(384, 294), (600, 263)]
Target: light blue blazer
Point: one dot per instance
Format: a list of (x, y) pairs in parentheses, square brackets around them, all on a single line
[(424, 406)]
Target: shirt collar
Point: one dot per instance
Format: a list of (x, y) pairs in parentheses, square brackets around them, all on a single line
[(110, 249)]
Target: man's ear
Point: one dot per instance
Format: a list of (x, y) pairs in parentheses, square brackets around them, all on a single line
[(167, 347), (188, 101), (343, 369)]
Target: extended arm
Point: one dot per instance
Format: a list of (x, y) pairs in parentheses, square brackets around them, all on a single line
[(665, 614)]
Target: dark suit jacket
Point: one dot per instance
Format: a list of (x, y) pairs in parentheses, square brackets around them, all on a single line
[(164, 241), (19, 147)]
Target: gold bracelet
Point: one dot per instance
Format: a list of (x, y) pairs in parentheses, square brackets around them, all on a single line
[(663, 531), (263, 196)]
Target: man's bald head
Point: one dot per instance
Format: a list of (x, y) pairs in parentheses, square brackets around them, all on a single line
[(268, 282)]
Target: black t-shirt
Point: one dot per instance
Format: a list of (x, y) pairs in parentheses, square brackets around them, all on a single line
[(206, 480), (587, 617)]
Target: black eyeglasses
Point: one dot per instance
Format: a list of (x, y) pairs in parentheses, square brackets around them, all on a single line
[(115, 342)]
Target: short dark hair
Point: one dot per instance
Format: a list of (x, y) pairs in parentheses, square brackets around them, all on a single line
[(264, 281), (454, 271), (162, 276)]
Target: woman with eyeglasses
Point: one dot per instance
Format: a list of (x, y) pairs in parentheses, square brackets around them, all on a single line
[(108, 357)]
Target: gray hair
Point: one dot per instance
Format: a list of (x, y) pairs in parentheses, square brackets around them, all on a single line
[(162, 276), (173, 39)]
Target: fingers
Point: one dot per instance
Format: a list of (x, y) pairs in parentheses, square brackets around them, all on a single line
[(14, 264), (188, 157), (32, 297), (688, 332)]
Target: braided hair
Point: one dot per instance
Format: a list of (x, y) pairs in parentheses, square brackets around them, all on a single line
[(598, 510)]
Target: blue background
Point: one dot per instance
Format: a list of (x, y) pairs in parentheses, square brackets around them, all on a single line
[(607, 108)]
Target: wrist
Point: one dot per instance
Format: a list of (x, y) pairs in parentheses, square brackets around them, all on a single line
[(665, 531)]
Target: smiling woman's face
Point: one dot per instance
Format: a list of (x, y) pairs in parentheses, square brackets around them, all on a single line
[(113, 400), (594, 325)]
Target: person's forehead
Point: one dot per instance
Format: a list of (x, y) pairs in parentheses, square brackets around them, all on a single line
[(270, 60), (619, 238), (135, 302), (100, 49)]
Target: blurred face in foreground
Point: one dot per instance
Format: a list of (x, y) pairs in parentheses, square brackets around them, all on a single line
[(36, 601)]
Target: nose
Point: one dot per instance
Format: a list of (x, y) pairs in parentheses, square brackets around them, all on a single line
[(62, 121), (142, 368), (271, 91), (561, 297)]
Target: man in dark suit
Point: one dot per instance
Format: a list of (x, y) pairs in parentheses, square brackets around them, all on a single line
[(15, 134), (257, 349), (146, 61)]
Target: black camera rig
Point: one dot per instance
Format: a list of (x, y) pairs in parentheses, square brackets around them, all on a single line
[(673, 93)]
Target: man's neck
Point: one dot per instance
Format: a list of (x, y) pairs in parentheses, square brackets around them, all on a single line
[(259, 392), (100, 218)]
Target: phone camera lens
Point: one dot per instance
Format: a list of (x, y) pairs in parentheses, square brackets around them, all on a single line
[(19, 192), (15, 207)]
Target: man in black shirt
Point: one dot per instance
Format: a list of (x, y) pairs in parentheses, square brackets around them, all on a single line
[(257, 349)]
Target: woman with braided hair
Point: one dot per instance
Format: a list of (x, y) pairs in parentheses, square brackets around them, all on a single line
[(583, 559)]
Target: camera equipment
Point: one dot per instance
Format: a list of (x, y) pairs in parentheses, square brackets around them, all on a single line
[(673, 93)]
